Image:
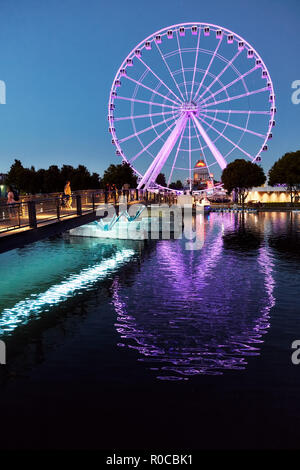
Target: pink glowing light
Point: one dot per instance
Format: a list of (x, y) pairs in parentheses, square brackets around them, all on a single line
[(182, 102)]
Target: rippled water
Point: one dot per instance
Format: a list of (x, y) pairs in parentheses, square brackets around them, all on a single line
[(121, 315), (198, 312)]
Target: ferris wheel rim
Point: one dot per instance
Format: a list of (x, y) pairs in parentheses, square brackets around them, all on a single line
[(187, 25)]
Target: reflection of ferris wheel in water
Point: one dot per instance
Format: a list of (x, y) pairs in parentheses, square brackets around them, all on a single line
[(190, 91)]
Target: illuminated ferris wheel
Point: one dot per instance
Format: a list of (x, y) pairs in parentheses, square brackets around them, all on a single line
[(186, 92)]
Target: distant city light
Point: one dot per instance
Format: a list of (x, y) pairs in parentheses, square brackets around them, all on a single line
[(200, 164)]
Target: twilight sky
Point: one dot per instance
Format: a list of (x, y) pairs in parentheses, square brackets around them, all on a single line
[(58, 59)]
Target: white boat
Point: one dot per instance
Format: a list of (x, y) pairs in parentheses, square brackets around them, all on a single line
[(203, 206), (142, 229), (121, 229)]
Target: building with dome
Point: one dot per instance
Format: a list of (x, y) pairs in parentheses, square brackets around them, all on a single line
[(201, 175)]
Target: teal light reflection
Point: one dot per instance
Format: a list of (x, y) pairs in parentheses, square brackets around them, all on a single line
[(10, 318)]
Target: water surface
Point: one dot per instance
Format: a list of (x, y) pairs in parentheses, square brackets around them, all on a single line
[(147, 344)]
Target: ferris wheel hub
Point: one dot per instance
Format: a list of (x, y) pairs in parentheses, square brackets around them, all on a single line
[(189, 108)]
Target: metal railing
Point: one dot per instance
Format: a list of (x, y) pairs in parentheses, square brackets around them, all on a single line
[(32, 211), (13, 216)]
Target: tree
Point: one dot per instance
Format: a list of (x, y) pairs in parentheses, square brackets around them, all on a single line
[(67, 172), (161, 179), (21, 178), (119, 175), (240, 176), (177, 185), (286, 171), (40, 180), (29, 180), (95, 182), (80, 177), (50, 181), (15, 176)]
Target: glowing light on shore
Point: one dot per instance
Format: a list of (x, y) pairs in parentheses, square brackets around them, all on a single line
[(10, 318)]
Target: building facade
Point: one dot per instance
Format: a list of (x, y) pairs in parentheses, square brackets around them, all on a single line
[(201, 175), (266, 194)]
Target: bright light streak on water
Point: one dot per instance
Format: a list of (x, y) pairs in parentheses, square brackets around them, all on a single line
[(11, 317)]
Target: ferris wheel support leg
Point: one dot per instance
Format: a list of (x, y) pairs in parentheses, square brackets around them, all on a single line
[(162, 156), (218, 156)]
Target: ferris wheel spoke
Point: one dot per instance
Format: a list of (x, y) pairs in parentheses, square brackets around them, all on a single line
[(208, 68), (195, 64), (162, 156), (241, 77), (151, 143), (153, 126), (146, 102), (182, 68), (150, 89), (236, 111), (201, 147), (170, 72), (220, 74), (190, 156), (139, 116), (175, 158), (212, 147), (226, 138), (160, 80), (244, 129), (237, 97)]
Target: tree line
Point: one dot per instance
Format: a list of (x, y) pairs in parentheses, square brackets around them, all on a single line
[(239, 176), (53, 179)]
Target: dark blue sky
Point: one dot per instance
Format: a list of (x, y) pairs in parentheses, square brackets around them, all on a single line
[(59, 57)]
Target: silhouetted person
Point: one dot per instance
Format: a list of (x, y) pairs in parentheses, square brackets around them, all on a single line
[(68, 194), (115, 192), (10, 196)]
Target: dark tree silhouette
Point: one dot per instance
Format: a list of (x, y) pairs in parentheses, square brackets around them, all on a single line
[(15, 176), (177, 185), (287, 171), (28, 180), (240, 176), (161, 179), (119, 175)]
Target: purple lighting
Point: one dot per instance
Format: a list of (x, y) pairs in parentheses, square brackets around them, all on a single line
[(210, 144), (228, 85), (162, 156), (207, 321), (145, 130), (237, 97), (226, 138), (178, 71)]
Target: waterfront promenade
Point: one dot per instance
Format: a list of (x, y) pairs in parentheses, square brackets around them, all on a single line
[(38, 217), (34, 218)]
